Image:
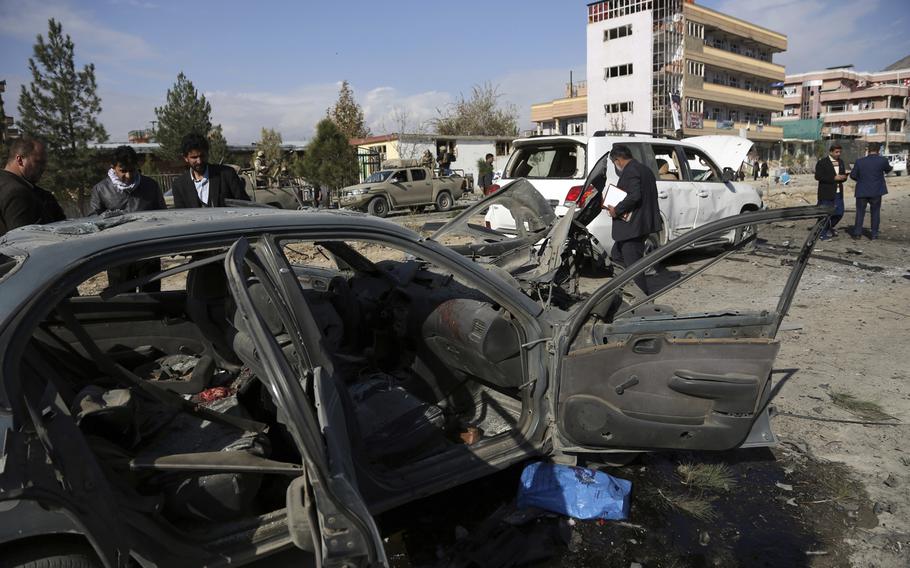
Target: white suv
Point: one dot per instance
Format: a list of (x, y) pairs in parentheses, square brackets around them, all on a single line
[(694, 178)]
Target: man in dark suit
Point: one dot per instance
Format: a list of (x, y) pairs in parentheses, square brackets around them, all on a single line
[(205, 184), (831, 173), (636, 216), (22, 202), (869, 175)]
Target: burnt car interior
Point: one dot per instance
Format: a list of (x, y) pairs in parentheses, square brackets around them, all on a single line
[(167, 386)]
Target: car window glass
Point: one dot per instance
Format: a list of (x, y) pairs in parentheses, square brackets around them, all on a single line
[(400, 176), (378, 177), (666, 163), (550, 161), (701, 168), (418, 175)]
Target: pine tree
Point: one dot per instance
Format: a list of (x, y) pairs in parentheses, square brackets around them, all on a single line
[(347, 114), (61, 106), (329, 160), (481, 115), (186, 111)]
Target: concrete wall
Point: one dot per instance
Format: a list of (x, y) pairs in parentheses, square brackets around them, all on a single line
[(635, 49), (468, 152)]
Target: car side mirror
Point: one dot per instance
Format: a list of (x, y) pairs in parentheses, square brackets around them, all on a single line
[(728, 175)]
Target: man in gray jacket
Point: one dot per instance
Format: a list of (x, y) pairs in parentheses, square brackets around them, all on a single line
[(125, 189)]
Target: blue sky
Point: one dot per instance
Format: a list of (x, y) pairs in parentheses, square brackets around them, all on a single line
[(279, 64)]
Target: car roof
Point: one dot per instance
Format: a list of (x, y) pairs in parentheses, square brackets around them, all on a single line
[(44, 252), (549, 138)]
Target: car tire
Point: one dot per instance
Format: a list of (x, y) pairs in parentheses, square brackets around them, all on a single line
[(379, 207), (743, 232), (50, 554), (443, 201)]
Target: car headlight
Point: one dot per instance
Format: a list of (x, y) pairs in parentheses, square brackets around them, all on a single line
[(358, 191)]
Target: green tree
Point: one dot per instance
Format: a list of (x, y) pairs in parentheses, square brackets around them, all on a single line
[(61, 106), (329, 160), (347, 114), (481, 115), (186, 111), (270, 146)]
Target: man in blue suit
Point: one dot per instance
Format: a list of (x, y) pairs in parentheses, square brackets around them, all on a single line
[(869, 175)]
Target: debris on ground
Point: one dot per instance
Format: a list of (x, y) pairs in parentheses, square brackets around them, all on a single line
[(573, 491)]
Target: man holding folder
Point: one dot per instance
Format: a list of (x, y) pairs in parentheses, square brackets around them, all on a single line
[(637, 215)]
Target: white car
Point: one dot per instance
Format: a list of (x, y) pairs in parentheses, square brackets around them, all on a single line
[(898, 163), (694, 178)]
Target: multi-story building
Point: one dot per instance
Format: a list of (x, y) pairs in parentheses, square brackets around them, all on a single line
[(568, 115), (674, 67), (871, 107)]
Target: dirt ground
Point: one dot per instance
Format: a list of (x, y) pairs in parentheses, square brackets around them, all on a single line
[(854, 339)]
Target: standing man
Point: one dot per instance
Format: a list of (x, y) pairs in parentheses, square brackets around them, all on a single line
[(445, 161), (869, 175), (636, 216), (486, 173), (125, 189), (831, 173), (205, 184), (22, 202), (755, 169)]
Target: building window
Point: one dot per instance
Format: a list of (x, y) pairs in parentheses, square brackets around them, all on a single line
[(616, 8), (695, 105), (695, 68), (611, 108), (502, 148), (616, 33), (617, 71), (696, 30)]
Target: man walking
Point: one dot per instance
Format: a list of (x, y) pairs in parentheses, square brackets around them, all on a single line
[(831, 173), (22, 202), (205, 184), (637, 215), (869, 175), (125, 189)]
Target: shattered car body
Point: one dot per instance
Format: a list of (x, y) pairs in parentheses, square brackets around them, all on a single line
[(301, 372)]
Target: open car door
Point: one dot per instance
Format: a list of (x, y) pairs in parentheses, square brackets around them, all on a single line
[(643, 377), (326, 513)]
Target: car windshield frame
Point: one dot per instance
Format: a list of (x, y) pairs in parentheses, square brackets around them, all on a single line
[(379, 177)]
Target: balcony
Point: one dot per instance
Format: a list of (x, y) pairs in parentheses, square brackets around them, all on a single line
[(864, 115), (736, 97), (869, 93), (734, 62), (560, 108), (734, 26), (753, 131)]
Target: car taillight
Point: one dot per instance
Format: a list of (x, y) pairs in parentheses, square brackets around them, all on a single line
[(577, 197), (491, 189)]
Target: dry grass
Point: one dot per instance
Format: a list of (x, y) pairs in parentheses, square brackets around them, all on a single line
[(865, 409), (706, 476), (697, 506)]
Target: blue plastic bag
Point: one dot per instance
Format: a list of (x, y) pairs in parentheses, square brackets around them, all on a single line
[(576, 492)]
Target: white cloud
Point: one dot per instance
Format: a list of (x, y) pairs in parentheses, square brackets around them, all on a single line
[(95, 41), (819, 33)]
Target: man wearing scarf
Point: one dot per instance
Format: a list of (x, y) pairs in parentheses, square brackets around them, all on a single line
[(125, 189)]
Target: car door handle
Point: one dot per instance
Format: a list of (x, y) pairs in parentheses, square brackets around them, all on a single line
[(646, 346), (702, 194), (663, 194)]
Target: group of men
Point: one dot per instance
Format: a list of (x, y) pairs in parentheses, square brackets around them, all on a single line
[(868, 173)]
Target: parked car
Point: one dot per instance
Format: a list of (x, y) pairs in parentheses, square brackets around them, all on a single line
[(301, 372), (898, 163), (401, 188), (283, 192), (694, 178)]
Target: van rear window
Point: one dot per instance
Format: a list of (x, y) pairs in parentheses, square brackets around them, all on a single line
[(547, 161)]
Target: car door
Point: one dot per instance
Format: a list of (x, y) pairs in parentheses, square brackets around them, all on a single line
[(676, 196), (707, 180), (421, 186), (326, 513), (661, 380)]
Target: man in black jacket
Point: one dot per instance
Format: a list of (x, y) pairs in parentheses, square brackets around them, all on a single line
[(125, 189), (831, 173), (22, 202), (637, 215), (204, 184)]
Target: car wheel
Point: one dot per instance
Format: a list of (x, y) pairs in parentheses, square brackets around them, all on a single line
[(745, 232), (379, 207), (50, 555), (443, 201)]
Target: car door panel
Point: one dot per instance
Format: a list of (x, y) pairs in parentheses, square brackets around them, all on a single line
[(658, 379), (686, 394)]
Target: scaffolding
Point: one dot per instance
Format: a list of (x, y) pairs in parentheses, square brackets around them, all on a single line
[(668, 27)]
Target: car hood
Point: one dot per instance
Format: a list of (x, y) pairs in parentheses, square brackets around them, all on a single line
[(357, 186), (727, 151)]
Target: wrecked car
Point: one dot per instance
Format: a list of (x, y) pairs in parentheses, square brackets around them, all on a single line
[(300, 372)]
